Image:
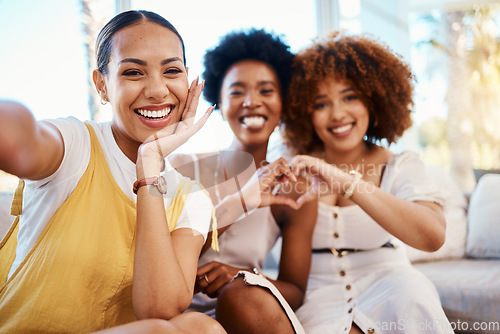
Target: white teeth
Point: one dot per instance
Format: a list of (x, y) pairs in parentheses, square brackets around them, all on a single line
[(342, 129), (254, 121), (155, 113)]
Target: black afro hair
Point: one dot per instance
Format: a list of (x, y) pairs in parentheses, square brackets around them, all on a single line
[(252, 44)]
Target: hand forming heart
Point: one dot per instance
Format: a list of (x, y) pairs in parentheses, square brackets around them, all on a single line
[(322, 177), (271, 178)]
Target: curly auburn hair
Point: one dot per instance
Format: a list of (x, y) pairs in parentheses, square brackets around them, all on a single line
[(252, 44), (380, 78)]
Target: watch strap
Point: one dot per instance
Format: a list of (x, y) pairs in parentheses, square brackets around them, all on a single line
[(154, 180)]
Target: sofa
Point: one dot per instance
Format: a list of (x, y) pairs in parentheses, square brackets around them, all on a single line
[(465, 270)]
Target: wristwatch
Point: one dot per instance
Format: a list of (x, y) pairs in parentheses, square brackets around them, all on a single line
[(158, 181)]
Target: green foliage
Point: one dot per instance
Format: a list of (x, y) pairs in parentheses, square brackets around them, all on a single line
[(478, 29)]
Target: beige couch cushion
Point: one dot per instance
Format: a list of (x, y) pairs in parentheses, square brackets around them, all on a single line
[(484, 219), (469, 291)]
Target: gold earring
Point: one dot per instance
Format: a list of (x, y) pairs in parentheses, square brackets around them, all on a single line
[(103, 100)]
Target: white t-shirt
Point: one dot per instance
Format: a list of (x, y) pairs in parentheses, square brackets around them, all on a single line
[(43, 197)]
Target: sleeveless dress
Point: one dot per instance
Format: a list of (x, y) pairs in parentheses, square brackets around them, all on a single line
[(78, 275), (245, 244)]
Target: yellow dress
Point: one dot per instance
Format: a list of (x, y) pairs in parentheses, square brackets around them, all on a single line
[(78, 275)]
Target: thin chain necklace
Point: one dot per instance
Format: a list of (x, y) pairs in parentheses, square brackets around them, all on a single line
[(220, 162), (347, 167)]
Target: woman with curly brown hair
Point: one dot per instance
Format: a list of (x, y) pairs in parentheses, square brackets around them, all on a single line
[(348, 96)]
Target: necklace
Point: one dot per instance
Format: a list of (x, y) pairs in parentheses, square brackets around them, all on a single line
[(220, 163), (347, 167)]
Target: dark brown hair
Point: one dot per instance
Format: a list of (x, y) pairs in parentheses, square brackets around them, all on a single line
[(380, 78), (120, 21)]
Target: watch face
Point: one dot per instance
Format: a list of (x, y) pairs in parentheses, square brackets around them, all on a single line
[(162, 185)]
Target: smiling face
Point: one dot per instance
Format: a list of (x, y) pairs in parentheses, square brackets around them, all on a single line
[(251, 101), (146, 83), (339, 117)]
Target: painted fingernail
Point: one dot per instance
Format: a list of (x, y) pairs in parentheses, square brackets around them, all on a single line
[(276, 189)]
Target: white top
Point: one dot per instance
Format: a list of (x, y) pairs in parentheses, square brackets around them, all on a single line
[(404, 177), (376, 288), (42, 198), (245, 244)]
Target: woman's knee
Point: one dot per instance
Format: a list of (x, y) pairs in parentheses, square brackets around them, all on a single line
[(142, 326), (237, 295), (157, 326), (196, 322), (251, 307)]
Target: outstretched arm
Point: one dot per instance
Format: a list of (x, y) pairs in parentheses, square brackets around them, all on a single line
[(420, 224), (28, 149)]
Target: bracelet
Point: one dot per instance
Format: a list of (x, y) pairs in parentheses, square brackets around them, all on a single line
[(257, 272), (357, 177), (158, 181)]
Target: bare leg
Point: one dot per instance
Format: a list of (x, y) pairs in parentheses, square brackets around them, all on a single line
[(144, 326), (195, 322), (250, 309), (185, 323)]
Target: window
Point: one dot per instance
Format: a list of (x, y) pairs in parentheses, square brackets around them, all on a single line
[(43, 60), (456, 57)]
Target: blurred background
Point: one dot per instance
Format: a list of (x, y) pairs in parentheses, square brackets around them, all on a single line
[(452, 46)]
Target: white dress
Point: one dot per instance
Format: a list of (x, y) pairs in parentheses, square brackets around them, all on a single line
[(245, 244), (377, 288)]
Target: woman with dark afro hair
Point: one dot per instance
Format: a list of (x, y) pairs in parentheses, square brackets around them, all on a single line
[(246, 76), (348, 95)]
